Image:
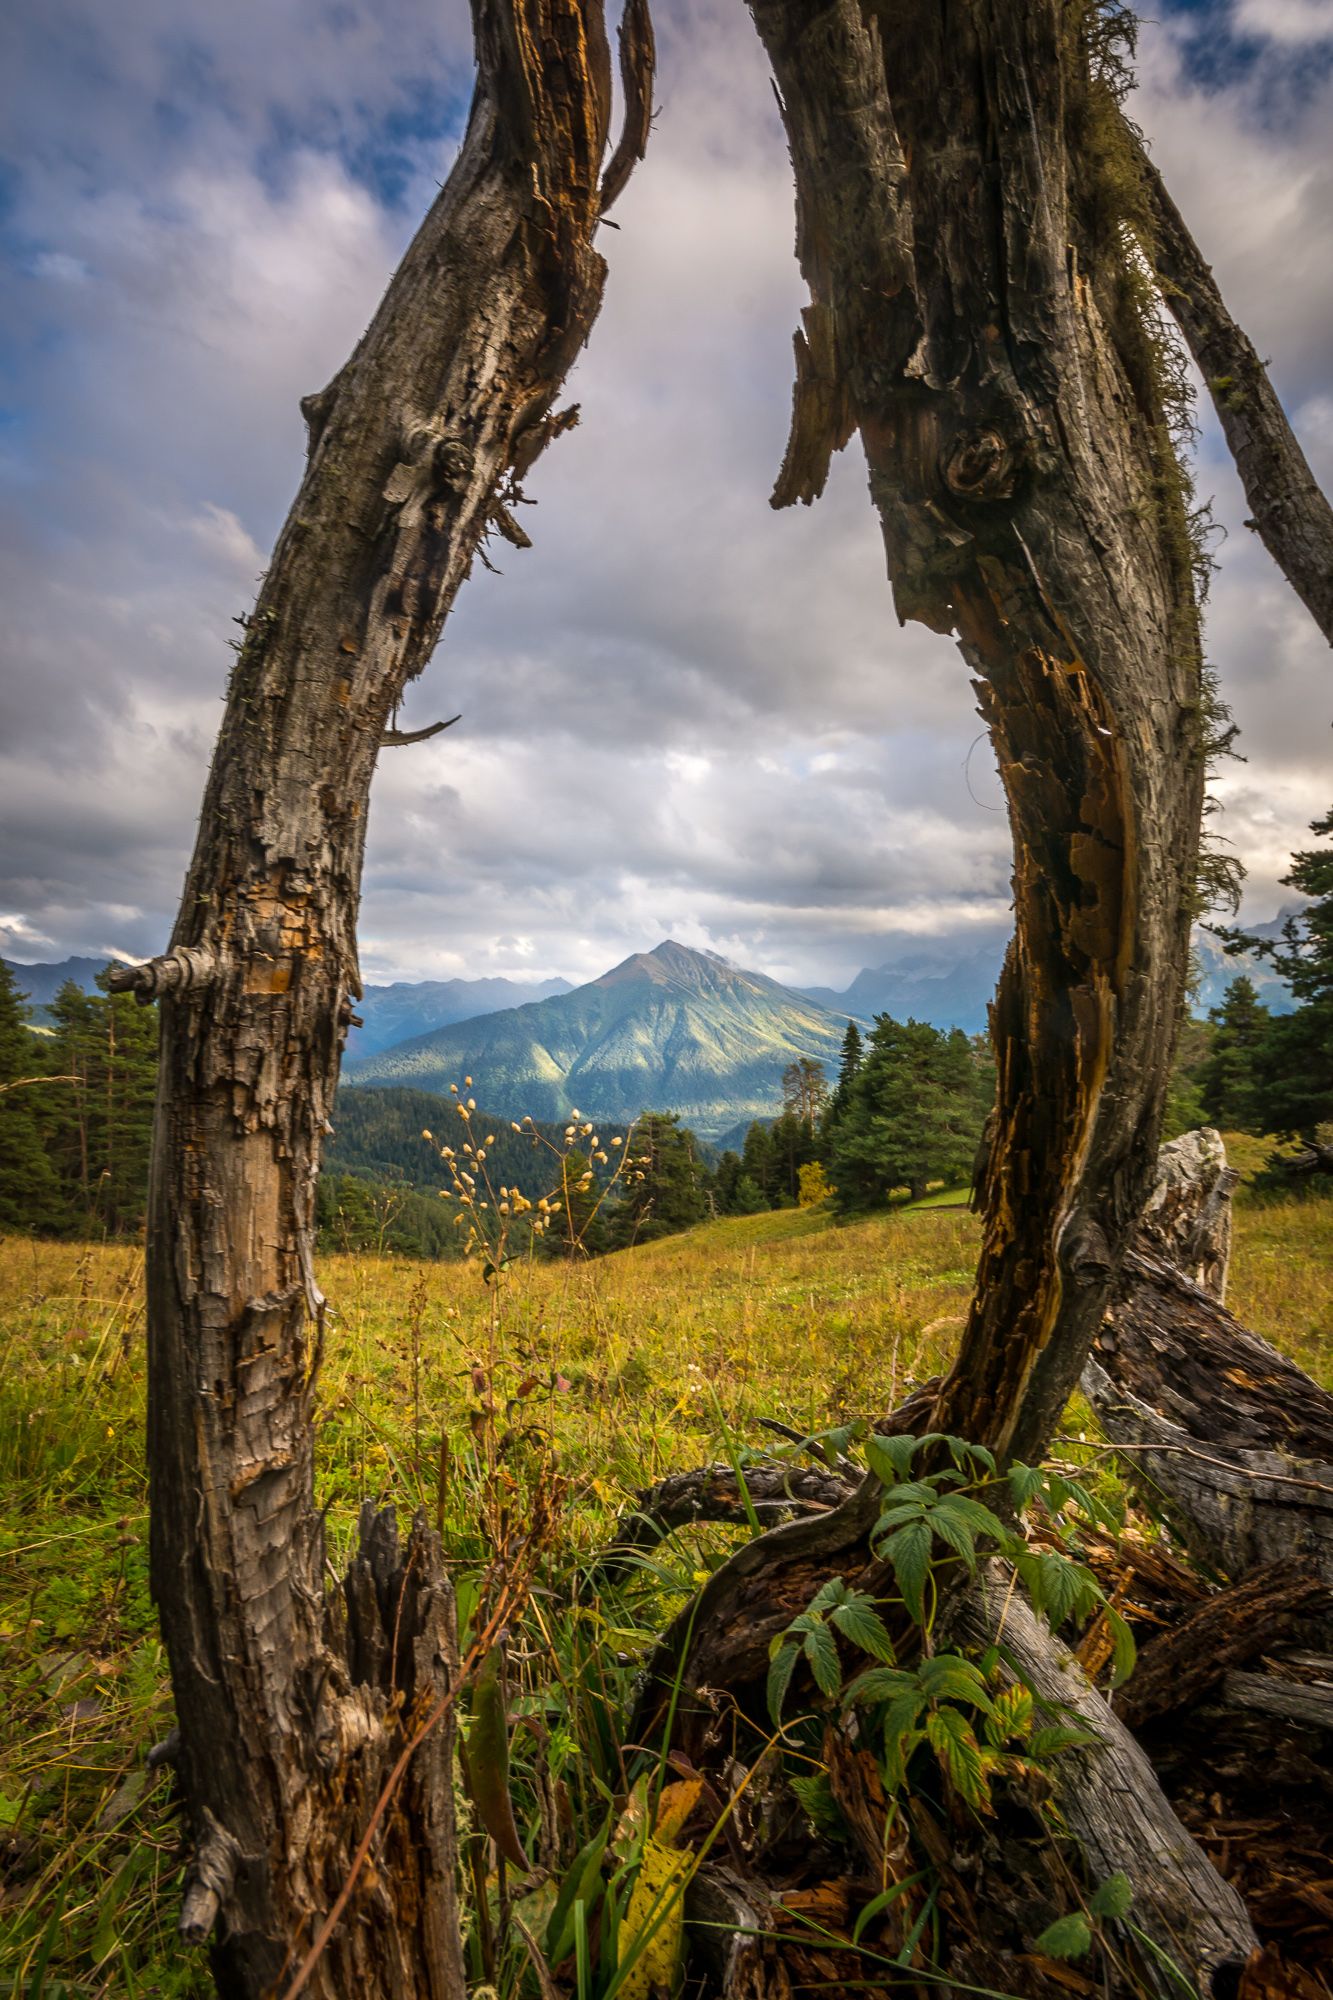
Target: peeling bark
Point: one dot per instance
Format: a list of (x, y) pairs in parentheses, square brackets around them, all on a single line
[(415, 449), (962, 321)]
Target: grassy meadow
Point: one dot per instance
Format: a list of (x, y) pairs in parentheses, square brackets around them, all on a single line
[(590, 1379)]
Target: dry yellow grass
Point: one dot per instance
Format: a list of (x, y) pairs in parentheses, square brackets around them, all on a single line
[(655, 1359)]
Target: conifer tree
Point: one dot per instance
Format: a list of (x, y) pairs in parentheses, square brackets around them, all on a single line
[(1296, 1071), (29, 1190), (1230, 1076), (853, 1052), (915, 1110)]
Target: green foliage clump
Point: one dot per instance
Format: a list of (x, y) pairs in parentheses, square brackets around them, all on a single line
[(1290, 1056), (910, 1112), (78, 1115), (30, 1196)]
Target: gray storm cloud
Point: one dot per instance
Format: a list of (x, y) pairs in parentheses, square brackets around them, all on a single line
[(683, 714)]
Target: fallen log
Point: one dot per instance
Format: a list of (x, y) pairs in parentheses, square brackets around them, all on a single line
[(1227, 1631), (1229, 1437), (775, 1493), (1109, 1798), (1308, 1703)]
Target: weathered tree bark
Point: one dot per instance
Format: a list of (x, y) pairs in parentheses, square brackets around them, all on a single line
[(1290, 512), (776, 1493), (1112, 1804), (1216, 1425), (972, 316), (1227, 1631), (1230, 1435), (416, 451)]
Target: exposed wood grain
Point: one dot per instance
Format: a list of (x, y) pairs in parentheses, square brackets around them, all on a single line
[(1227, 1631), (1110, 1800)]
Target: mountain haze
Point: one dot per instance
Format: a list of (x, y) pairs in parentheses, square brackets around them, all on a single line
[(408, 1008), (950, 981), (41, 982), (667, 1030)]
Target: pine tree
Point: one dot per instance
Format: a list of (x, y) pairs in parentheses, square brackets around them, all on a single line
[(107, 1044), (725, 1181), (915, 1110), (664, 1184), (29, 1190), (853, 1054), (1230, 1076), (758, 1161), (1296, 1069)]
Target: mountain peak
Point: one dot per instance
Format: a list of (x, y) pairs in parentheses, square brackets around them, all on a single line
[(673, 1028), (680, 965)]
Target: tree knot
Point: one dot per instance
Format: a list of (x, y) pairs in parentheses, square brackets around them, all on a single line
[(981, 465)]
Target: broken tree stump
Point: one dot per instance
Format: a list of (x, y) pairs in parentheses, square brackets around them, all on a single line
[(1227, 1435)]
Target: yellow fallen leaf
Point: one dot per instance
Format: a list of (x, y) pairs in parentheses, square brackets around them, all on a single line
[(674, 1808), (653, 1931)]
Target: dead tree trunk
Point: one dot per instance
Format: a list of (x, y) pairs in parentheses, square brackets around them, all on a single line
[(416, 452), (976, 316)]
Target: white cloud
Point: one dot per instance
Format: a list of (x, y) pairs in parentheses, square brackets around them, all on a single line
[(1293, 21), (682, 713)]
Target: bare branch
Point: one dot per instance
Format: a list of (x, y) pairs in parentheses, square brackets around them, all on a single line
[(399, 737), (1291, 515), (638, 58)]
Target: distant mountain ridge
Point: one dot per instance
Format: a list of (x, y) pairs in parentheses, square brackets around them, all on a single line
[(42, 981), (408, 1008), (667, 1030), (949, 981)]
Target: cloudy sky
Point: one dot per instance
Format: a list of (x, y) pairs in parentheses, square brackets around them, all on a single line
[(683, 714)]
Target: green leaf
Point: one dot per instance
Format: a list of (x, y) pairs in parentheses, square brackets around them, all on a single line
[(878, 1904), (822, 1654), (977, 1515), (857, 1619), (1011, 1715), (895, 1517), (898, 1748), (779, 1676), (1051, 1741), (1059, 1586), (951, 1739), (1113, 1897), (1025, 1483), (818, 1803), (949, 1677), (1067, 1937), (890, 1458), (960, 1450), (908, 1549), (956, 1532), (885, 1684), (581, 1884), (832, 1592)]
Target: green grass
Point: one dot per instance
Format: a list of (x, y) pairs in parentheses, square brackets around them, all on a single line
[(657, 1359)]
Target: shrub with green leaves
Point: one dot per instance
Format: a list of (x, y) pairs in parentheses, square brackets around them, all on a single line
[(971, 1716)]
